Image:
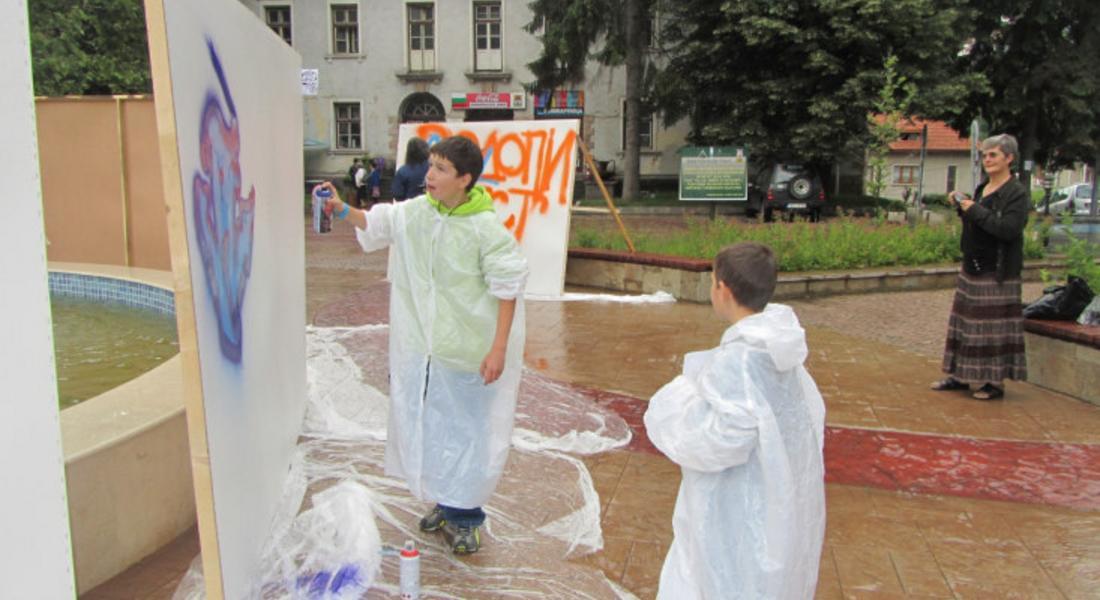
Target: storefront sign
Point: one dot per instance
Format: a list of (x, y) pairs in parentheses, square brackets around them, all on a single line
[(558, 104), (498, 100), (713, 174)]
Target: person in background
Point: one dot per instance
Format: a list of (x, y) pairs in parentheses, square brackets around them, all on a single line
[(355, 166), (374, 180), (985, 333), (361, 184), (408, 181)]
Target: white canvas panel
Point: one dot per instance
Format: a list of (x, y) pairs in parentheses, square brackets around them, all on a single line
[(529, 169), (34, 524), (242, 121)]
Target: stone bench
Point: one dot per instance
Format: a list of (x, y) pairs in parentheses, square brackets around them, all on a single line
[(1064, 356)]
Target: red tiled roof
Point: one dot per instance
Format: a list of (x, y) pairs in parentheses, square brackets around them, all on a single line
[(940, 137)]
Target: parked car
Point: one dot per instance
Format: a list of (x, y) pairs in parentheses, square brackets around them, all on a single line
[(791, 188), (1076, 196)]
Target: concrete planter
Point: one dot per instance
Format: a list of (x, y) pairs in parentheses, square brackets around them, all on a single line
[(689, 279)]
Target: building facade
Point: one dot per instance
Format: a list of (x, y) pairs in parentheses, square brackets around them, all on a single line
[(947, 163), (380, 63)]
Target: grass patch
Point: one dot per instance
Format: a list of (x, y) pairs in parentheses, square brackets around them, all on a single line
[(843, 243)]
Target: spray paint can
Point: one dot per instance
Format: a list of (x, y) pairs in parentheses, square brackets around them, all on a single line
[(410, 571), (322, 222)]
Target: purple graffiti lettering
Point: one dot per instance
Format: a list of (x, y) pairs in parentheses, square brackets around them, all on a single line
[(223, 218)]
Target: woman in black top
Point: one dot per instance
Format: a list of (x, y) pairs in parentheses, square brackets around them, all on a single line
[(985, 334)]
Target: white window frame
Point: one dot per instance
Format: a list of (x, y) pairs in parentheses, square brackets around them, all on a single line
[(336, 126), (419, 63), (332, 28), (290, 14), (622, 129), (488, 64), (895, 172)]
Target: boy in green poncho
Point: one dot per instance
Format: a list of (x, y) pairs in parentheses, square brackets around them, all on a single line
[(456, 338)]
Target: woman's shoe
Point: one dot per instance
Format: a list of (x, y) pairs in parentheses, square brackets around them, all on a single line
[(948, 384), (988, 392)]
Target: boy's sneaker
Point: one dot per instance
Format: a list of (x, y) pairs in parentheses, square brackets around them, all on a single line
[(463, 540), (433, 521)]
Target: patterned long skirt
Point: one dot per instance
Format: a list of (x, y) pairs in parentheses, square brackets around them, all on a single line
[(985, 334)]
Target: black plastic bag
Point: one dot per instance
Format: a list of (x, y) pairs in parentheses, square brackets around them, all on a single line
[(1061, 302)]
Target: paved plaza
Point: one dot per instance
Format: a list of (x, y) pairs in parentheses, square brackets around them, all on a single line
[(929, 494)]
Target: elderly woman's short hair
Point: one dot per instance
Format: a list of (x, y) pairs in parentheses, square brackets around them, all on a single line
[(1004, 142)]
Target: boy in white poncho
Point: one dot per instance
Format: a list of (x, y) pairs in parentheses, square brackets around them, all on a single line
[(745, 422), (456, 338)]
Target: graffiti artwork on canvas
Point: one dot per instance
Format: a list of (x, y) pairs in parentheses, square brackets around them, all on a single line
[(223, 217)]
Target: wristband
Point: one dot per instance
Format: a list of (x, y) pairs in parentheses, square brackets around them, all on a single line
[(344, 213)]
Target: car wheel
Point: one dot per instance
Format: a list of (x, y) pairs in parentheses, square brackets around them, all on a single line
[(801, 187)]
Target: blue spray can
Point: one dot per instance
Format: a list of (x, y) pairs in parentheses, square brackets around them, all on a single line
[(322, 222), (410, 571)]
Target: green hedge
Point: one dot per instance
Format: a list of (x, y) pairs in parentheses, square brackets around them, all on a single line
[(843, 243)]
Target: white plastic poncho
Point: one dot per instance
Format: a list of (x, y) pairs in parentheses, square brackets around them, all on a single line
[(448, 433), (746, 424)]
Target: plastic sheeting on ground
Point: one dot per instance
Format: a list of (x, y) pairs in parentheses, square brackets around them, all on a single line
[(660, 297), (544, 514)]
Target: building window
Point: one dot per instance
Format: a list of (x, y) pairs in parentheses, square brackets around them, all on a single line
[(345, 29), (349, 126), (487, 53), (649, 32), (421, 37), (645, 130), (952, 173), (905, 174), (278, 19)]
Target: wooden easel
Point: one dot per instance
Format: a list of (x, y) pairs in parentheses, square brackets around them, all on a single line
[(606, 196)]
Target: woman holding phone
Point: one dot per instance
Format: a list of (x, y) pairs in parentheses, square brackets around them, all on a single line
[(985, 334)]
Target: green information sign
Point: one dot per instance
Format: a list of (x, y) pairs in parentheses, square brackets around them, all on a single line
[(714, 174)]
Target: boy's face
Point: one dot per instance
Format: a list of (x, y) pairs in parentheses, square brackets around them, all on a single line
[(443, 181)]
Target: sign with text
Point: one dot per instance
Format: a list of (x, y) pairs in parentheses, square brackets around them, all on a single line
[(528, 170), (714, 174), (497, 100), (311, 81)]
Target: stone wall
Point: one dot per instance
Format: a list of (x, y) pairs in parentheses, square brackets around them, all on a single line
[(1065, 357)]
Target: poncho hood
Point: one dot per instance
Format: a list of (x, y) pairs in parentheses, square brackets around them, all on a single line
[(775, 329), (478, 200)]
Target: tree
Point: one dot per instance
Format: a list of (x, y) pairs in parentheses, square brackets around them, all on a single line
[(892, 105), (609, 32), (796, 79), (88, 47), (1041, 59)]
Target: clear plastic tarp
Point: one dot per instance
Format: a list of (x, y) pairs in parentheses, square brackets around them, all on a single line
[(340, 510)]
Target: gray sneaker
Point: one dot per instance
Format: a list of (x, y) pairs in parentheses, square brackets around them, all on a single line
[(433, 521), (463, 540)]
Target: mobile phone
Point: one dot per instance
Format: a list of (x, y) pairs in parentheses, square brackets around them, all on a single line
[(958, 197)]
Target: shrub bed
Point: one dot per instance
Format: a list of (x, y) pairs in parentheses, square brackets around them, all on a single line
[(843, 243)]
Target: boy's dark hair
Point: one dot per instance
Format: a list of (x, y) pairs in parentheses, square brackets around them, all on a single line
[(463, 154), (748, 269), (416, 151)]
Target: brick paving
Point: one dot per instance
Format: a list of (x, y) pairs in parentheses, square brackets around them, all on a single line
[(873, 357)]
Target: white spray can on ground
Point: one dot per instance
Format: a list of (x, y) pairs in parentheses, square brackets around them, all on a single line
[(410, 571)]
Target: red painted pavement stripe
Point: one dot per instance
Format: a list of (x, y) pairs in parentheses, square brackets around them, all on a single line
[(1030, 472)]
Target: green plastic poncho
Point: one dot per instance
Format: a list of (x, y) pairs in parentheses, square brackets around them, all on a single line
[(448, 433)]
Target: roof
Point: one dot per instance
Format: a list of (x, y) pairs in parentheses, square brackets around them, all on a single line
[(940, 137)]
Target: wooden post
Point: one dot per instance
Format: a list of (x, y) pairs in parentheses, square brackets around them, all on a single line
[(606, 196)]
